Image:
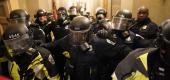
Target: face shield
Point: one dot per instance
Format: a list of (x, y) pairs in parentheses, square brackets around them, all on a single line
[(78, 37), (120, 23), (18, 45), (17, 20)]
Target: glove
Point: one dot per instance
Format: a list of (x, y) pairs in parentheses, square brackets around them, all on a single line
[(103, 34)]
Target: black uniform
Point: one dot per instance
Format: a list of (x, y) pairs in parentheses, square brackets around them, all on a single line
[(40, 28), (99, 25), (152, 63), (3, 61), (90, 58), (27, 62), (132, 40), (97, 63), (60, 26), (157, 68), (146, 28), (16, 16), (59, 29)]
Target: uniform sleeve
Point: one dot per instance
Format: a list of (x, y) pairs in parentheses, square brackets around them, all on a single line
[(126, 66), (153, 29), (48, 61), (13, 70)]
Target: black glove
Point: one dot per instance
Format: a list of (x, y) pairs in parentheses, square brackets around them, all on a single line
[(103, 34)]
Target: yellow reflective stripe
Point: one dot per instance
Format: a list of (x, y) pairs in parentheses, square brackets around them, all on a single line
[(114, 77), (14, 68), (35, 61), (3, 59), (66, 54), (144, 60), (39, 70), (57, 77), (52, 36), (143, 57), (137, 75)]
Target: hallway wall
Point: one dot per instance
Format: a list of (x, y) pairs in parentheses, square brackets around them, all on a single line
[(159, 9)]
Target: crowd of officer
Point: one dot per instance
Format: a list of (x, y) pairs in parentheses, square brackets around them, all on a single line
[(78, 47)]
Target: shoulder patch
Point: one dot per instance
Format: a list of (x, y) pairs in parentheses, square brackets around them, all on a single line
[(51, 60), (110, 42)]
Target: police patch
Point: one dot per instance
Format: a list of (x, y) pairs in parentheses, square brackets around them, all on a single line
[(144, 27)]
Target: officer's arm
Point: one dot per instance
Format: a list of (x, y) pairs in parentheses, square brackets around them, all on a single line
[(50, 46), (153, 29), (125, 67), (48, 61)]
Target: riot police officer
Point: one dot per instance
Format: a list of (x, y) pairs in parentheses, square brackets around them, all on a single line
[(27, 62), (87, 56), (101, 21), (152, 64), (144, 26), (80, 63), (60, 26), (15, 16), (41, 17), (39, 27), (121, 23), (101, 14), (60, 30)]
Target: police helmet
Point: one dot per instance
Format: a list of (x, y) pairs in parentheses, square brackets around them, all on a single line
[(16, 38), (101, 11), (19, 15), (165, 31), (62, 13), (79, 29), (40, 12), (122, 20)]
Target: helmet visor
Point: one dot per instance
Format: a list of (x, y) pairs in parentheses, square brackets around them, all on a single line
[(18, 20), (19, 44), (120, 23), (78, 37)]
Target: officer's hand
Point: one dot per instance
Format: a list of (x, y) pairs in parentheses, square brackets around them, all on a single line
[(102, 34)]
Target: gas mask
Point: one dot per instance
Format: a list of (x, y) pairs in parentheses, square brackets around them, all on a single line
[(62, 15)]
